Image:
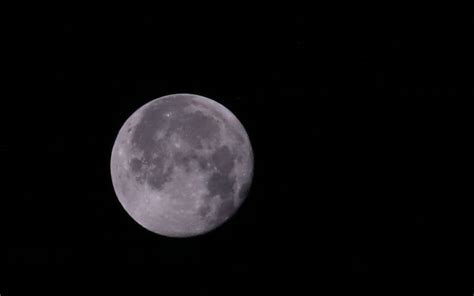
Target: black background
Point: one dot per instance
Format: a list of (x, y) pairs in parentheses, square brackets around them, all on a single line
[(350, 119)]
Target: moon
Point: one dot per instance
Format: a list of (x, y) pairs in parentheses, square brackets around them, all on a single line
[(182, 165)]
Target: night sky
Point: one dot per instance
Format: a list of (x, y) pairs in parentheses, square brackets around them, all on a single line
[(348, 117)]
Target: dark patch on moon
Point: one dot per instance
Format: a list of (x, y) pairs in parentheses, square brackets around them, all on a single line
[(240, 138), (233, 129), (226, 208), (153, 119), (221, 181), (186, 159), (195, 128), (244, 189), (220, 184), (204, 210), (136, 164), (159, 175), (223, 159)]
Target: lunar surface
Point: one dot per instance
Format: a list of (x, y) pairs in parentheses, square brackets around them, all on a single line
[(182, 165)]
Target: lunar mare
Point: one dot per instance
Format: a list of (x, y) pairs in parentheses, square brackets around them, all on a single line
[(182, 165)]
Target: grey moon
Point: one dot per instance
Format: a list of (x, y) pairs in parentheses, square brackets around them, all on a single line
[(182, 165)]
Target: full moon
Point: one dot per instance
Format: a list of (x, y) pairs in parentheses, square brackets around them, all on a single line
[(182, 165)]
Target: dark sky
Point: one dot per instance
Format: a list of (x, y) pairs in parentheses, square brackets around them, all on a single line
[(348, 118)]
